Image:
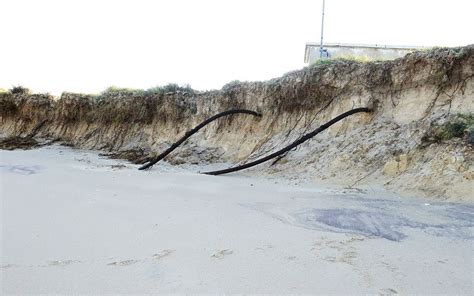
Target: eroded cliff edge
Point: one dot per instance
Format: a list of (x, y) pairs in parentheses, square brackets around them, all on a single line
[(418, 139)]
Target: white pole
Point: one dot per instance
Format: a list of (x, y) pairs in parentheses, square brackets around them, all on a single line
[(322, 30)]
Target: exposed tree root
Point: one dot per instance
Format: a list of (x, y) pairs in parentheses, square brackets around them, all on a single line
[(195, 130), (291, 146)]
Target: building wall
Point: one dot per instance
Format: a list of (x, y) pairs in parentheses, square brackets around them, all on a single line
[(371, 52)]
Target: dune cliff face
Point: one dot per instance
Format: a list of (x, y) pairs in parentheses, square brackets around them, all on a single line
[(401, 145)]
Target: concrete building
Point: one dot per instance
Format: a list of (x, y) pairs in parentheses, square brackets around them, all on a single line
[(371, 52)]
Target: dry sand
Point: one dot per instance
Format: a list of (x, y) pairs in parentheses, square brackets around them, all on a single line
[(73, 222)]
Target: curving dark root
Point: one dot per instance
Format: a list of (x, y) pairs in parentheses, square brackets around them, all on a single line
[(195, 130), (291, 146)]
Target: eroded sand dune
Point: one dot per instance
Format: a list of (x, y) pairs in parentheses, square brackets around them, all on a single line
[(408, 144)]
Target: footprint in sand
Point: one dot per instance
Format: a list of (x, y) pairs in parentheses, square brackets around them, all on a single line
[(8, 266), (21, 169), (162, 254), (117, 166), (62, 262), (338, 250), (222, 253), (265, 247), (388, 291), (123, 263)]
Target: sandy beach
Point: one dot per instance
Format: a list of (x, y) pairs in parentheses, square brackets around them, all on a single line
[(74, 222)]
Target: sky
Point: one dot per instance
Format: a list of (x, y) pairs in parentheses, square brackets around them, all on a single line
[(87, 46)]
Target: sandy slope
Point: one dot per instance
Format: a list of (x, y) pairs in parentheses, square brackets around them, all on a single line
[(409, 143), (73, 222)]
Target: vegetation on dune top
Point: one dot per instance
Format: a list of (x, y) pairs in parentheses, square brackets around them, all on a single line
[(19, 90), (347, 58), (457, 51), (169, 88), (118, 91)]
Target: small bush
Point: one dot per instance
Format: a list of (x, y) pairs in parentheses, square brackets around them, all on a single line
[(169, 88), (469, 130), (468, 118), (459, 126), (114, 90), (19, 90), (155, 90), (456, 129), (173, 87)]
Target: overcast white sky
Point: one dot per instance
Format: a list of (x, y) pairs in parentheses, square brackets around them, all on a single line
[(86, 46)]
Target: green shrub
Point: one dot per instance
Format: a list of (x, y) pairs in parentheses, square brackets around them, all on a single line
[(468, 118), (155, 90), (114, 90), (458, 126), (19, 90), (456, 129)]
